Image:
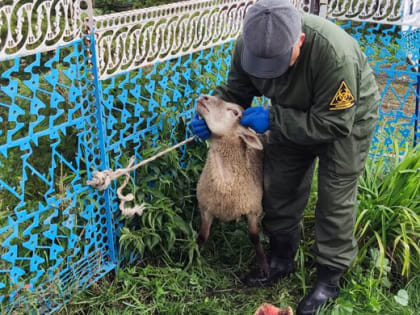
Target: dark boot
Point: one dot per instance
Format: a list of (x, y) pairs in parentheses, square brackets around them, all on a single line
[(326, 288), (281, 256)]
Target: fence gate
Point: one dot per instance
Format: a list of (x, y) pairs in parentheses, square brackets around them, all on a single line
[(80, 93)]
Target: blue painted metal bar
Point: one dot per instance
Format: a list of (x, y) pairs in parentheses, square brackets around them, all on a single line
[(103, 146)]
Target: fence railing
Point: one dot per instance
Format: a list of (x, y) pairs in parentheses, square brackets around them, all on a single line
[(80, 93)]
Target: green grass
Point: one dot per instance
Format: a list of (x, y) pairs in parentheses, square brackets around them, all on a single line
[(174, 277), (213, 288), (211, 285)]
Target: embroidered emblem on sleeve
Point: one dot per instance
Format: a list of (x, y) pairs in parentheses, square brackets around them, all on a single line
[(343, 98)]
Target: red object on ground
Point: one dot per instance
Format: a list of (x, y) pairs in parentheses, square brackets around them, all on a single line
[(269, 309)]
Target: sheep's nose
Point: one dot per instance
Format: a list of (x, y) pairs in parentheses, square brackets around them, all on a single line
[(204, 98)]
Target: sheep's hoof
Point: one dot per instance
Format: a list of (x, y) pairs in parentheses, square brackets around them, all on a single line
[(265, 269), (201, 241), (259, 278)]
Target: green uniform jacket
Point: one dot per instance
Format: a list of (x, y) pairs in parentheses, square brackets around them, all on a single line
[(329, 90)]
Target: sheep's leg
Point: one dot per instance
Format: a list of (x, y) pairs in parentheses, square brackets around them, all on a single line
[(255, 239), (206, 220)]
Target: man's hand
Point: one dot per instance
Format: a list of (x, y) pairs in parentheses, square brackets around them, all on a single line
[(200, 128), (256, 118)]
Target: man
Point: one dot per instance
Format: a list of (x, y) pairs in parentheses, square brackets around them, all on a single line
[(324, 104)]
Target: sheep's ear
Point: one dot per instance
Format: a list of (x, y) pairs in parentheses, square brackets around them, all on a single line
[(250, 137)]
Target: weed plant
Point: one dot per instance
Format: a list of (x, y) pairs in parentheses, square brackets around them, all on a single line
[(389, 208)]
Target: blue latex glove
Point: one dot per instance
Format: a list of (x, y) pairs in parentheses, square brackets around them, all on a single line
[(256, 118), (200, 128)]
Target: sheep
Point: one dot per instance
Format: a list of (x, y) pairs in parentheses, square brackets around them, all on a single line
[(231, 183)]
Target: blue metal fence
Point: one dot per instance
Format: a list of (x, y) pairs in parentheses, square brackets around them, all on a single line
[(69, 110), (388, 48), (54, 229)]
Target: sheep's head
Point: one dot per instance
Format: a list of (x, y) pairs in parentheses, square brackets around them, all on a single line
[(223, 119)]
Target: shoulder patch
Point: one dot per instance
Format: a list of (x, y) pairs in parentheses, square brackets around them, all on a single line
[(343, 98)]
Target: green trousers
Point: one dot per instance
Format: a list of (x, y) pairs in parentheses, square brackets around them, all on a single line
[(288, 172)]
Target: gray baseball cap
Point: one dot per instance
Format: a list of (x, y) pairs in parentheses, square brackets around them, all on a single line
[(270, 29)]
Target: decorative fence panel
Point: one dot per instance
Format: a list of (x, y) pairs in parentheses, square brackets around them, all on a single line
[(389, 33), (387, 48), (54, 229), (55, 232), (80, 93)]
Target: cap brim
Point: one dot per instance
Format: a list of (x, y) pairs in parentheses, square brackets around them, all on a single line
[(265, 68)]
